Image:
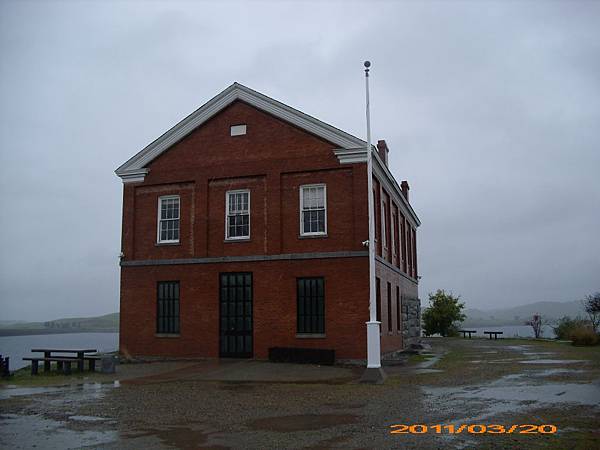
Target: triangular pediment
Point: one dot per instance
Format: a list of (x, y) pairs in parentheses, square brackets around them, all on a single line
[(135, 168)]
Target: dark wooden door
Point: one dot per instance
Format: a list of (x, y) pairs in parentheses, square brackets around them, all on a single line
[(236, 315)]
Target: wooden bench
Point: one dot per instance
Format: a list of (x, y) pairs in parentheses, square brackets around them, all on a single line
[(464, 332), (62, 364), (495, 333)]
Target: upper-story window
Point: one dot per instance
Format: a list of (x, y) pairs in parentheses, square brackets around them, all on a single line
[(394, 225), (313, 210), (168, 219), (384, 224), (237, 220)]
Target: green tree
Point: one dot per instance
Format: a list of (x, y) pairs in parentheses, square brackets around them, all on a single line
[(443, 314)]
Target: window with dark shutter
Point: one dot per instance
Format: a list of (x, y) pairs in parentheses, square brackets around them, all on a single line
[(311, 305), (167, 307)]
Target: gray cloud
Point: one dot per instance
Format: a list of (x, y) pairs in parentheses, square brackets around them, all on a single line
[(491, 110)]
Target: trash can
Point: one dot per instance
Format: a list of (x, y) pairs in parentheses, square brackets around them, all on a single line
[(109, 363)]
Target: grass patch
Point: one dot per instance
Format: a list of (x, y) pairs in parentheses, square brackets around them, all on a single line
[(416, 358), (23, 377)]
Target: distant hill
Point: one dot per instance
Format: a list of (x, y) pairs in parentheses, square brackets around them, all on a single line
[(519, 314), (99, 324)]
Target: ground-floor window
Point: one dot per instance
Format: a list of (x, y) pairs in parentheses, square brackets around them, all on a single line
[(311, 305), (398, 312), (167, 307), (389, 306)]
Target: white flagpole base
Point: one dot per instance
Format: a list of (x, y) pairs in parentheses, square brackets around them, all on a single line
[(374, 372)]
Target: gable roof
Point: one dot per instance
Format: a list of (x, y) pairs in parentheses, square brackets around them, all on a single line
[(134, 168)]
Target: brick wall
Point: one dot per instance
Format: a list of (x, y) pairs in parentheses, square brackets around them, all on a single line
[(272, 160), (274, 301)]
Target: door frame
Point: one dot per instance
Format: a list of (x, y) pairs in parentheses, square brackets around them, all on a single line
[(221, 331)]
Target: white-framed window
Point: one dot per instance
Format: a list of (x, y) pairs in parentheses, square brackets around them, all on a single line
[(168, 219), (313, 210), (237, 214)]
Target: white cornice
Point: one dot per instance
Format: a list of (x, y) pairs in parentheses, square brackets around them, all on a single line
[(236, 92), (133, 176), (351, 155)]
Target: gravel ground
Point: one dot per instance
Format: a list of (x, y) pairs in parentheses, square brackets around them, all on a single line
[(258, 405)]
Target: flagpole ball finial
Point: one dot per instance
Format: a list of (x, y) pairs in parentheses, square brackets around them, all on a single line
[(367, 64)]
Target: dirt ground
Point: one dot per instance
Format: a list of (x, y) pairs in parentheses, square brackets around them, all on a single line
[(478, 383)]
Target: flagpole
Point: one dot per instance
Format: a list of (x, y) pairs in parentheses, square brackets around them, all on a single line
[(374, 372)]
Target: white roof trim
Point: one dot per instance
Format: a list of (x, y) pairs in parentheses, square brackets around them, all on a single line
[(234, 92), (351, 155)]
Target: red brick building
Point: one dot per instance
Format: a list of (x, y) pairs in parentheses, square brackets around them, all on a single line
[(243, 229)]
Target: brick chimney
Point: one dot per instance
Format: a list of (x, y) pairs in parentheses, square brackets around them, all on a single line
[(405, 188), (383, 151)]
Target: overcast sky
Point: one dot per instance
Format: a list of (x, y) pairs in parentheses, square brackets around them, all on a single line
[(491, 111)]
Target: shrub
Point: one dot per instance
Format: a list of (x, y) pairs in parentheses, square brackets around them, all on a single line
[(565, 326), (443, 314), (584, 336)]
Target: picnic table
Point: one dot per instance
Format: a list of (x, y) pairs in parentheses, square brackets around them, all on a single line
[(495, 333), (464, 332), (64, 360)]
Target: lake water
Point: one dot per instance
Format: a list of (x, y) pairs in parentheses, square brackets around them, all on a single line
[(514, 331), (18, 347)]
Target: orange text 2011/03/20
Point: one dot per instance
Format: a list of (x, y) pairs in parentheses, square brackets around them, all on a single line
[(473, 429)]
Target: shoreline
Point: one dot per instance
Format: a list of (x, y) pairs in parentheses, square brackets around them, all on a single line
[(34, 332)]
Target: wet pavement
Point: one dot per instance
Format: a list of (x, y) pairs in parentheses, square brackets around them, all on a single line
[(259, 405)]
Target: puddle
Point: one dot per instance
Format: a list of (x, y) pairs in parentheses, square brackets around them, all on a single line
[(550, 372), (31, 431), (94, 390), (584, 394), (518, 348), (14, 391), (514, 393), (237, 387), (345, 405), (303, 422), (179, 437), (433, 359), (88, 419), (553, 361), (422, 371), (503, 361)]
